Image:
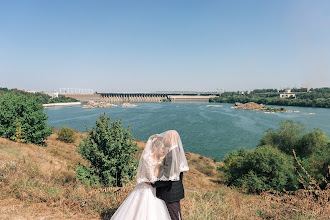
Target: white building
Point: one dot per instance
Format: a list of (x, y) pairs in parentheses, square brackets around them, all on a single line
[(287, 94), (55, 94)]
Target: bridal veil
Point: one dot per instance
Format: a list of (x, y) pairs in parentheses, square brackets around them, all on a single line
[(167, 146)]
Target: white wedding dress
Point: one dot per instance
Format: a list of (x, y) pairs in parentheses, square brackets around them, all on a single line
[(142, 203)]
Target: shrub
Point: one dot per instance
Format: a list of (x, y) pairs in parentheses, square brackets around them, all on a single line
[(233, 165), (260, 169), (66, 135), (294, 136), (314, 142), (286, 138), (22, 119), (271, 164), (110, 151), (317, 165)]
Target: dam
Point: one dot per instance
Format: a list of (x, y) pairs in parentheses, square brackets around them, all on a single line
[(144, 97), (157, 97)]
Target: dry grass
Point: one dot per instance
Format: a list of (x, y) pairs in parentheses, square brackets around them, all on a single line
[(312, 202), (39, 182), (44, 176)]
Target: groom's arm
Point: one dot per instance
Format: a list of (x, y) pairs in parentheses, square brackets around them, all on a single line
[(161, 184)]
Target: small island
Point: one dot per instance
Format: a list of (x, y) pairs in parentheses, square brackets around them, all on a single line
[(256, 107)]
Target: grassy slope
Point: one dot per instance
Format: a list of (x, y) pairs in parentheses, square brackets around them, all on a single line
[(38, 182)]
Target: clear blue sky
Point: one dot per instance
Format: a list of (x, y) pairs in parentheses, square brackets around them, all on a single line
[(158, 45)]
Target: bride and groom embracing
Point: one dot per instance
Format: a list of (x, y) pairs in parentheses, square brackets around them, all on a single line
[(159, 191)]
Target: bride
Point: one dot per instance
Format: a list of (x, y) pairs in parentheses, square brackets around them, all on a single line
[(142, 202)]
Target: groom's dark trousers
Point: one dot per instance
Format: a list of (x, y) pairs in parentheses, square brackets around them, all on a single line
[(171, 192)]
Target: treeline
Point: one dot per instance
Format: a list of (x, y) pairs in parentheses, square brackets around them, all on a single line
[(273, 164), (39, 97), (318, 97)]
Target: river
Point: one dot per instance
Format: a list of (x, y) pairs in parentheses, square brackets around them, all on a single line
[(208, 131)]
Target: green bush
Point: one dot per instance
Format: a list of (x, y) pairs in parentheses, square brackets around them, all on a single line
[(88, 176), (317, 163), (271, 164), (312, 147), (313, 142), (66, 135), (22, 119), (286, 138), (110, 151), (294, 136), (260, 169), (233, 165), (317, 166)]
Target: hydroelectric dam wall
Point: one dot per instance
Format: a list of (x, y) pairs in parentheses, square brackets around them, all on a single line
[(144, 97)]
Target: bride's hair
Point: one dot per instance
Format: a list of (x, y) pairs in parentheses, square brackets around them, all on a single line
[(158, 143)]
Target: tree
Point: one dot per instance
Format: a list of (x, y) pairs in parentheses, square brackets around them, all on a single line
[(110, 151), (22, 119)]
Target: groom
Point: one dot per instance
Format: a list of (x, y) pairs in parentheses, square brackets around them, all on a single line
[(170, 191)]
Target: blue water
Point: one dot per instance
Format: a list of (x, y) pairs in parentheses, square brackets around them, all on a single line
[(211, 132)]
